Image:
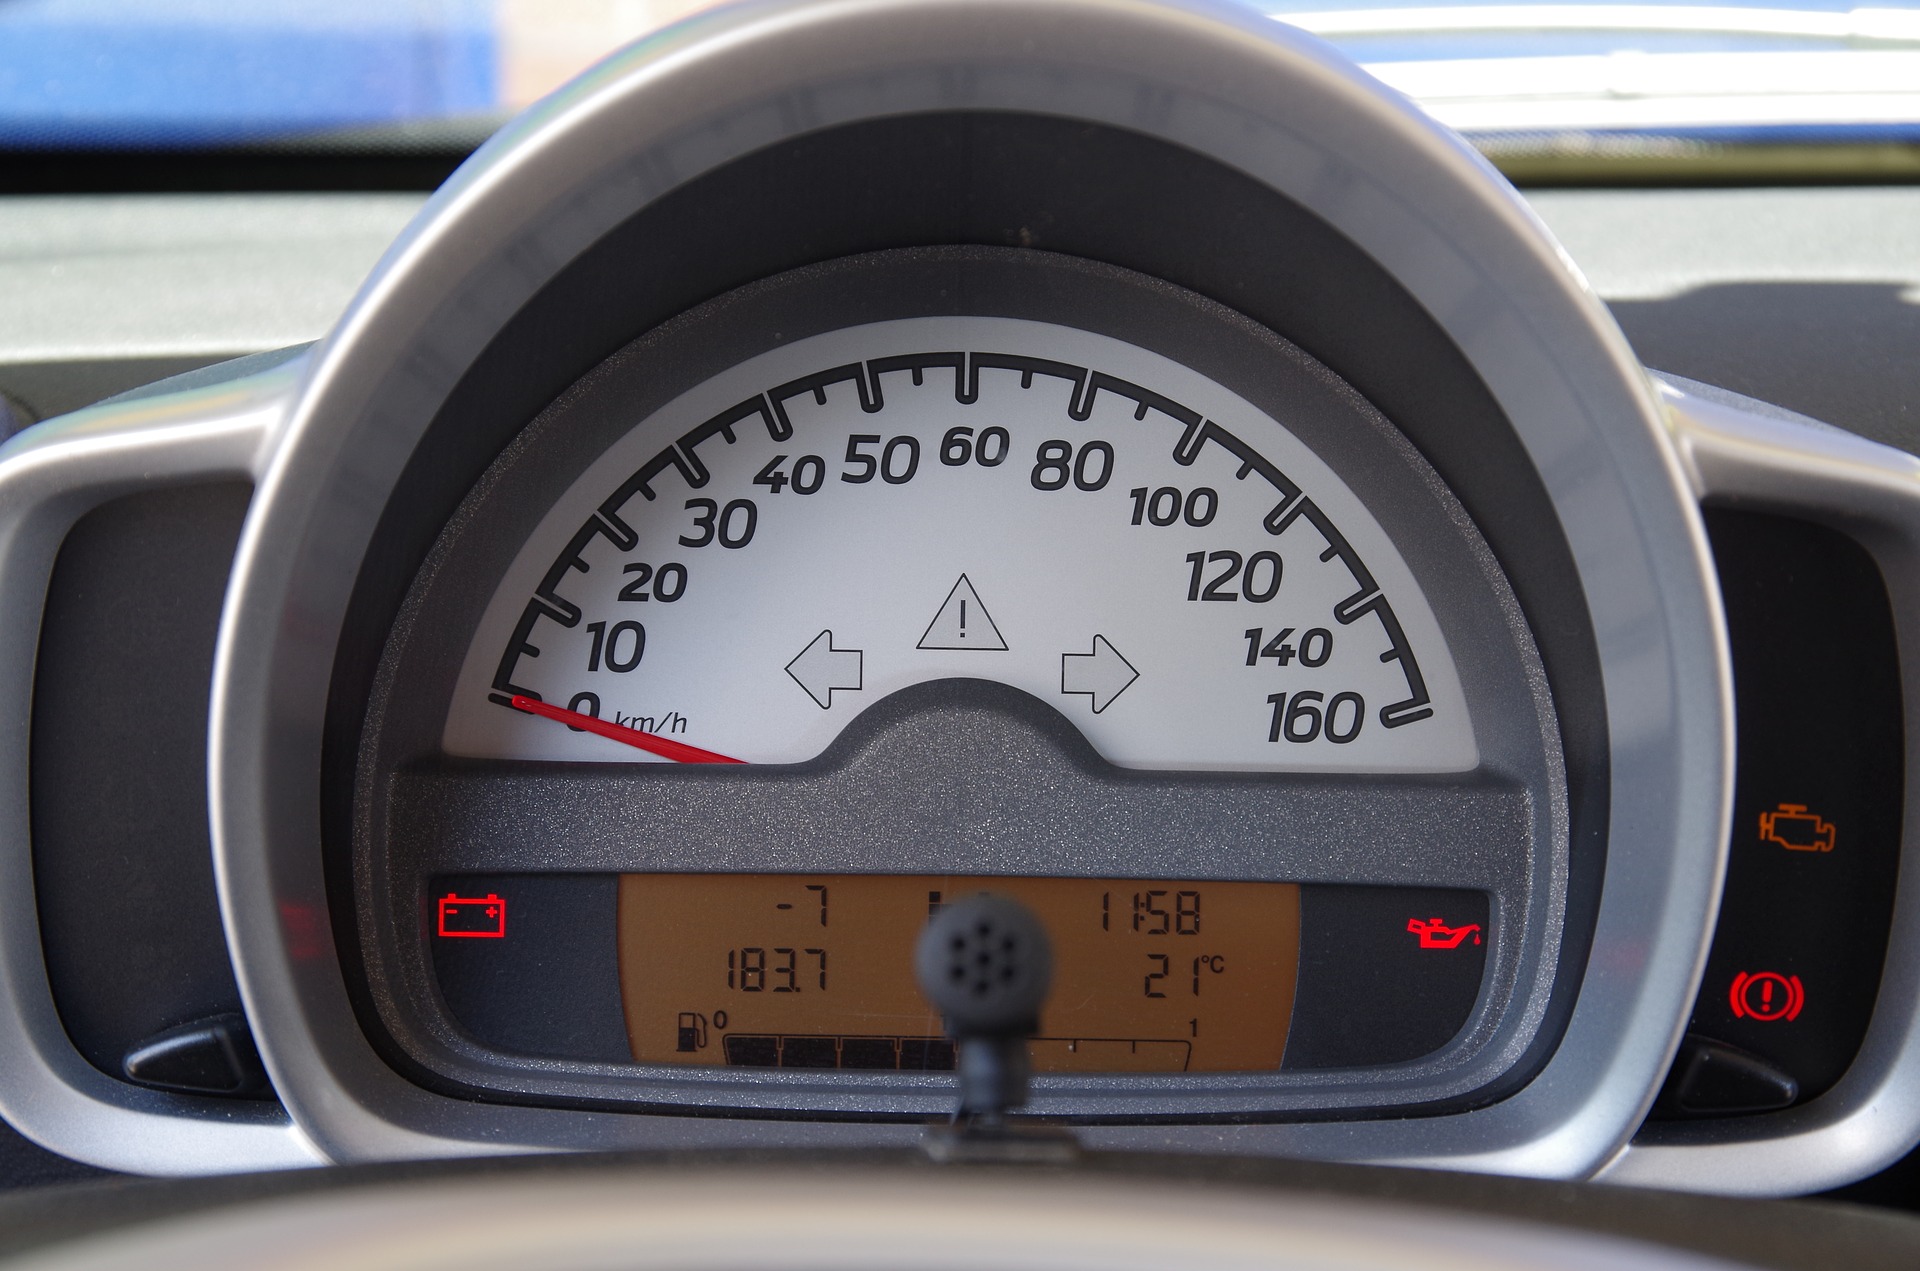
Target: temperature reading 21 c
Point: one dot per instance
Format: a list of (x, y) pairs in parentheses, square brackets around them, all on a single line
[(1160, 973)]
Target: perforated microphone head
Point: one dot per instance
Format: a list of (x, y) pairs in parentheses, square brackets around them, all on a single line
[(985, 964)]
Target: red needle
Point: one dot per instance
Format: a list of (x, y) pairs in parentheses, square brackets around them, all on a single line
[(678, 751)]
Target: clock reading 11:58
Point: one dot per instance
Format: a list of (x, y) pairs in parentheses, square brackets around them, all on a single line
[(815, 971)]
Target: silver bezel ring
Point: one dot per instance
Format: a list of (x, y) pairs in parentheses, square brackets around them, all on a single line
[(1253, 95)]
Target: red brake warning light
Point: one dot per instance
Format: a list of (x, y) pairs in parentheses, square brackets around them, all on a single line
[(1766, 995)]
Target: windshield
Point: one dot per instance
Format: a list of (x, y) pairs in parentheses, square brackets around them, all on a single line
[(1793, 87)]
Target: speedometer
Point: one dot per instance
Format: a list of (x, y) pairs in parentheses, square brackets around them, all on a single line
[(829, 522)]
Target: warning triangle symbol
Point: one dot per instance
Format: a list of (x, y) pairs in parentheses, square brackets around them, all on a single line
[(962, 623)]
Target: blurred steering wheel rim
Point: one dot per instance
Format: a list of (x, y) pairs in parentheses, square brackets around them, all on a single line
[(775, 1211)]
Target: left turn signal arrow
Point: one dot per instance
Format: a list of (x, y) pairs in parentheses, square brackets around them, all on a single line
[(821, 668)]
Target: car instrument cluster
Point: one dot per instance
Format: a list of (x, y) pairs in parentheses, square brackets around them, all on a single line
[(831, 462)]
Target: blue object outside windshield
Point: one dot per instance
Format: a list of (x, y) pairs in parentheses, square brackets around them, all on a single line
[(189, 73), (158, 74)]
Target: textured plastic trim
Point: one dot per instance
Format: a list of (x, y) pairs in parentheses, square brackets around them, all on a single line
[(1750, 455), (50, 476)]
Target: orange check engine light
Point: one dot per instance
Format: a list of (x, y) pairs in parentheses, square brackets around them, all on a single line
[(1796, 829)]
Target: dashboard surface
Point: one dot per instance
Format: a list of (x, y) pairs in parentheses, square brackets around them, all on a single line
[(1807, 297)]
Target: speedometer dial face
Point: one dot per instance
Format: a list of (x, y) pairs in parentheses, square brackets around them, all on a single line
[(814, 528)]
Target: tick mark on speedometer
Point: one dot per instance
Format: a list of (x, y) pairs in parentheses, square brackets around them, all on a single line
[(678, 751)]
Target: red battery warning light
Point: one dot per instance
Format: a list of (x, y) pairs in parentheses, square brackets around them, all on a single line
[(473, 917)]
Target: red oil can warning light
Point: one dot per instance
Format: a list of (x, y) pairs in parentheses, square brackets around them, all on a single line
[(1435, 934), (1766, 996), (1796, 829), (473, 917)]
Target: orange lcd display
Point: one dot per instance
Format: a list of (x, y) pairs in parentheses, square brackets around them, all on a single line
[(816, 971)]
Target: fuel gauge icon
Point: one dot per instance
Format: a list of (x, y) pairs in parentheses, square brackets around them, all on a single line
[(690, 1029)]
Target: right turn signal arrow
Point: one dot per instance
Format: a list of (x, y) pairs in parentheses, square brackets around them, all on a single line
[(1102, 675)]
